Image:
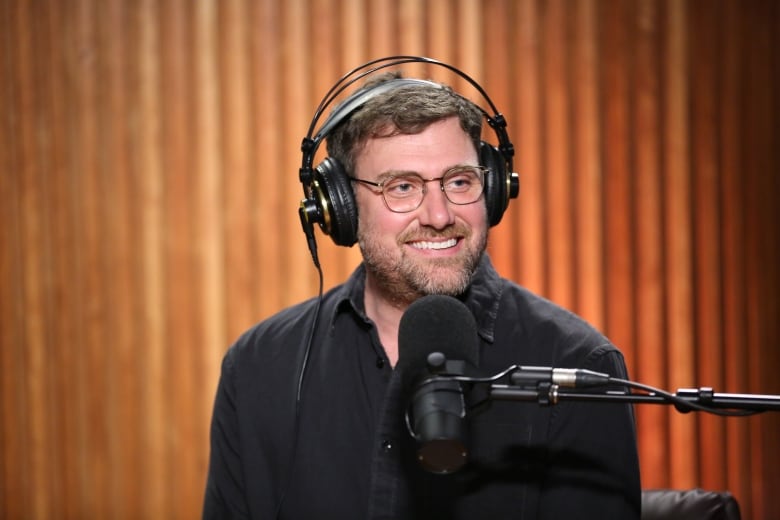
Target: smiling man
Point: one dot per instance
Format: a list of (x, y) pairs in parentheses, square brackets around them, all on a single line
[(414, 239), (309, 422)]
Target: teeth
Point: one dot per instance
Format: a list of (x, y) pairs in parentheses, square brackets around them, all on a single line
[(435, 245)]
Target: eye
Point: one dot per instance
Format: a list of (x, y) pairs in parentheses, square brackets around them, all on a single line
[(460, 181), (400, 187)]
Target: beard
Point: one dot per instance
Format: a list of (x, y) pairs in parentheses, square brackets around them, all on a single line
[(403, 279)]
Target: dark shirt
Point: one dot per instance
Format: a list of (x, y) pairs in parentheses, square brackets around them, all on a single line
[(343, 450)]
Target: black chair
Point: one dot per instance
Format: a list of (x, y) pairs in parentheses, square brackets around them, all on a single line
[(690, 504)]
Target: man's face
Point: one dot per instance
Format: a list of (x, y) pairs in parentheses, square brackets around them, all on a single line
[(435, 248)]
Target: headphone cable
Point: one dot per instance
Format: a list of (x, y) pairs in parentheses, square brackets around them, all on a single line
[(299, 390)]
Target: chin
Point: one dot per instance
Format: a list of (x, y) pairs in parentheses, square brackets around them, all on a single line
[(439, 282), (449, 277)]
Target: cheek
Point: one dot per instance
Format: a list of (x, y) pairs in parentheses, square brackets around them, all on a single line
[(374, 217), (475, 215)]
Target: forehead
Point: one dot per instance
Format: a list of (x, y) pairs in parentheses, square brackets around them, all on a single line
[(439, 147)]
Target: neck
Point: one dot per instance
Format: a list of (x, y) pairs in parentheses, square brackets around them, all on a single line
[(386, 314)]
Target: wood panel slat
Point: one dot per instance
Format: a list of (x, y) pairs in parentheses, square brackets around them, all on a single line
[(618, 201), (528, 143), (678, 247), (123, 413), (267, 108), (182, 332), (496, 76), (587, 167), (733, 245), (760, 165), (32, 331), (704, 52), (152, 348), (558, 160), (649, 352), (16, 463)]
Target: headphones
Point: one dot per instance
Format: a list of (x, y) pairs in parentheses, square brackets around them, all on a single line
[(329, 200)]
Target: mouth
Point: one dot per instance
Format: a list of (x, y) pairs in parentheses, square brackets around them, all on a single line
[(434, 245)]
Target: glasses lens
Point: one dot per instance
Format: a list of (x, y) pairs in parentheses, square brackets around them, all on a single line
[(464, 185), (461, 186), (403, 193)]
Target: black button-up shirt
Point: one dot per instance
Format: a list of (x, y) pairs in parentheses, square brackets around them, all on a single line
[(338, 448)]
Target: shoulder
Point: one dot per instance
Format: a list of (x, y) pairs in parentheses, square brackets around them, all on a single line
[(280, 337), (552, 334), (539, 314)]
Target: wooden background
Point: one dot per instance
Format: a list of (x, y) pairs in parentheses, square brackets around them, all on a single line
[(148, 195)]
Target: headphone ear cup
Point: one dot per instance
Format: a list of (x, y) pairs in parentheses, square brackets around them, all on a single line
[(496, 182), (336, 202)]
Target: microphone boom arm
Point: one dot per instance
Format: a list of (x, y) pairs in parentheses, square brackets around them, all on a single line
[(703, 399), (543, 385)]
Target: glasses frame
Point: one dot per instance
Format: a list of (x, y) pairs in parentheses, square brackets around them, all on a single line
[(381, 186)]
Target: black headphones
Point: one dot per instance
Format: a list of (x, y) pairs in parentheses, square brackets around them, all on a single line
[(329, 200)]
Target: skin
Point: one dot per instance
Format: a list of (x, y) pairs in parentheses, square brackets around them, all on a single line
[(431, 250)]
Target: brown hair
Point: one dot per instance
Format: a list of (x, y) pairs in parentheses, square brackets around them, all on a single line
[(408, 109)]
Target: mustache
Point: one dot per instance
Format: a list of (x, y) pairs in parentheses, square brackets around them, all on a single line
[(426, 233)]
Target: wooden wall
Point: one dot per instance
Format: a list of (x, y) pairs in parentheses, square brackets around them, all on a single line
[(148, 195)]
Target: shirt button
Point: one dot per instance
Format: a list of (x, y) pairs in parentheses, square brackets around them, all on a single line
[(387, 446), (380, 363)]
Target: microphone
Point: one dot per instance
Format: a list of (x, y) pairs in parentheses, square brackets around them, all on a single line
[(434, 329), (566, 377)]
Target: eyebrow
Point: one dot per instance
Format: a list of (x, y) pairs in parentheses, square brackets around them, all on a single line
[(388, 174)]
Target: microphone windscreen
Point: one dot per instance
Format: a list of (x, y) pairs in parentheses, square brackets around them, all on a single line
[(435, 323)]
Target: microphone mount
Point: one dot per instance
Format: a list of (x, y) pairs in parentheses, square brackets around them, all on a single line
[(550, 386)]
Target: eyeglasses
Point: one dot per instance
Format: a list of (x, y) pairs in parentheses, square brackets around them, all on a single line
[(404, 192)]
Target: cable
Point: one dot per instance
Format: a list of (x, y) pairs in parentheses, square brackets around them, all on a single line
[(684, 405), (299, 391)]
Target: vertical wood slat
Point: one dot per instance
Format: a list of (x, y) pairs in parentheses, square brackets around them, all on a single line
[(149, 190), (732, 193), (557, 154), (62, 400), (13, 466), (29, 234), (179, 264), (9, 439), (266, 94), (235, 124), (296, 73), (152, 245), (115, 162), (648, 239), (91, 305), (587, 167), (20, 371), (497, 28), (529, 161), (210, 216), (763, 113), (703, 40), (617, 188), (678, 256)]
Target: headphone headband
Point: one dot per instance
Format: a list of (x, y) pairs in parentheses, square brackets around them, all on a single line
[(359, 99), (312, 142)]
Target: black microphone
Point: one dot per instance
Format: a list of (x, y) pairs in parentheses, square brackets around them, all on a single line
[(443, 329)]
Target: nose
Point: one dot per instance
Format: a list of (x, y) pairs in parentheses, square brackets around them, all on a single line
[(435, 210)]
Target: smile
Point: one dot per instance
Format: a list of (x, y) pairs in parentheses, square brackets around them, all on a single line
[(435, 245)]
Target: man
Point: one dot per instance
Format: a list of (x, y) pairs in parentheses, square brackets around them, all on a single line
[(313, 428)]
